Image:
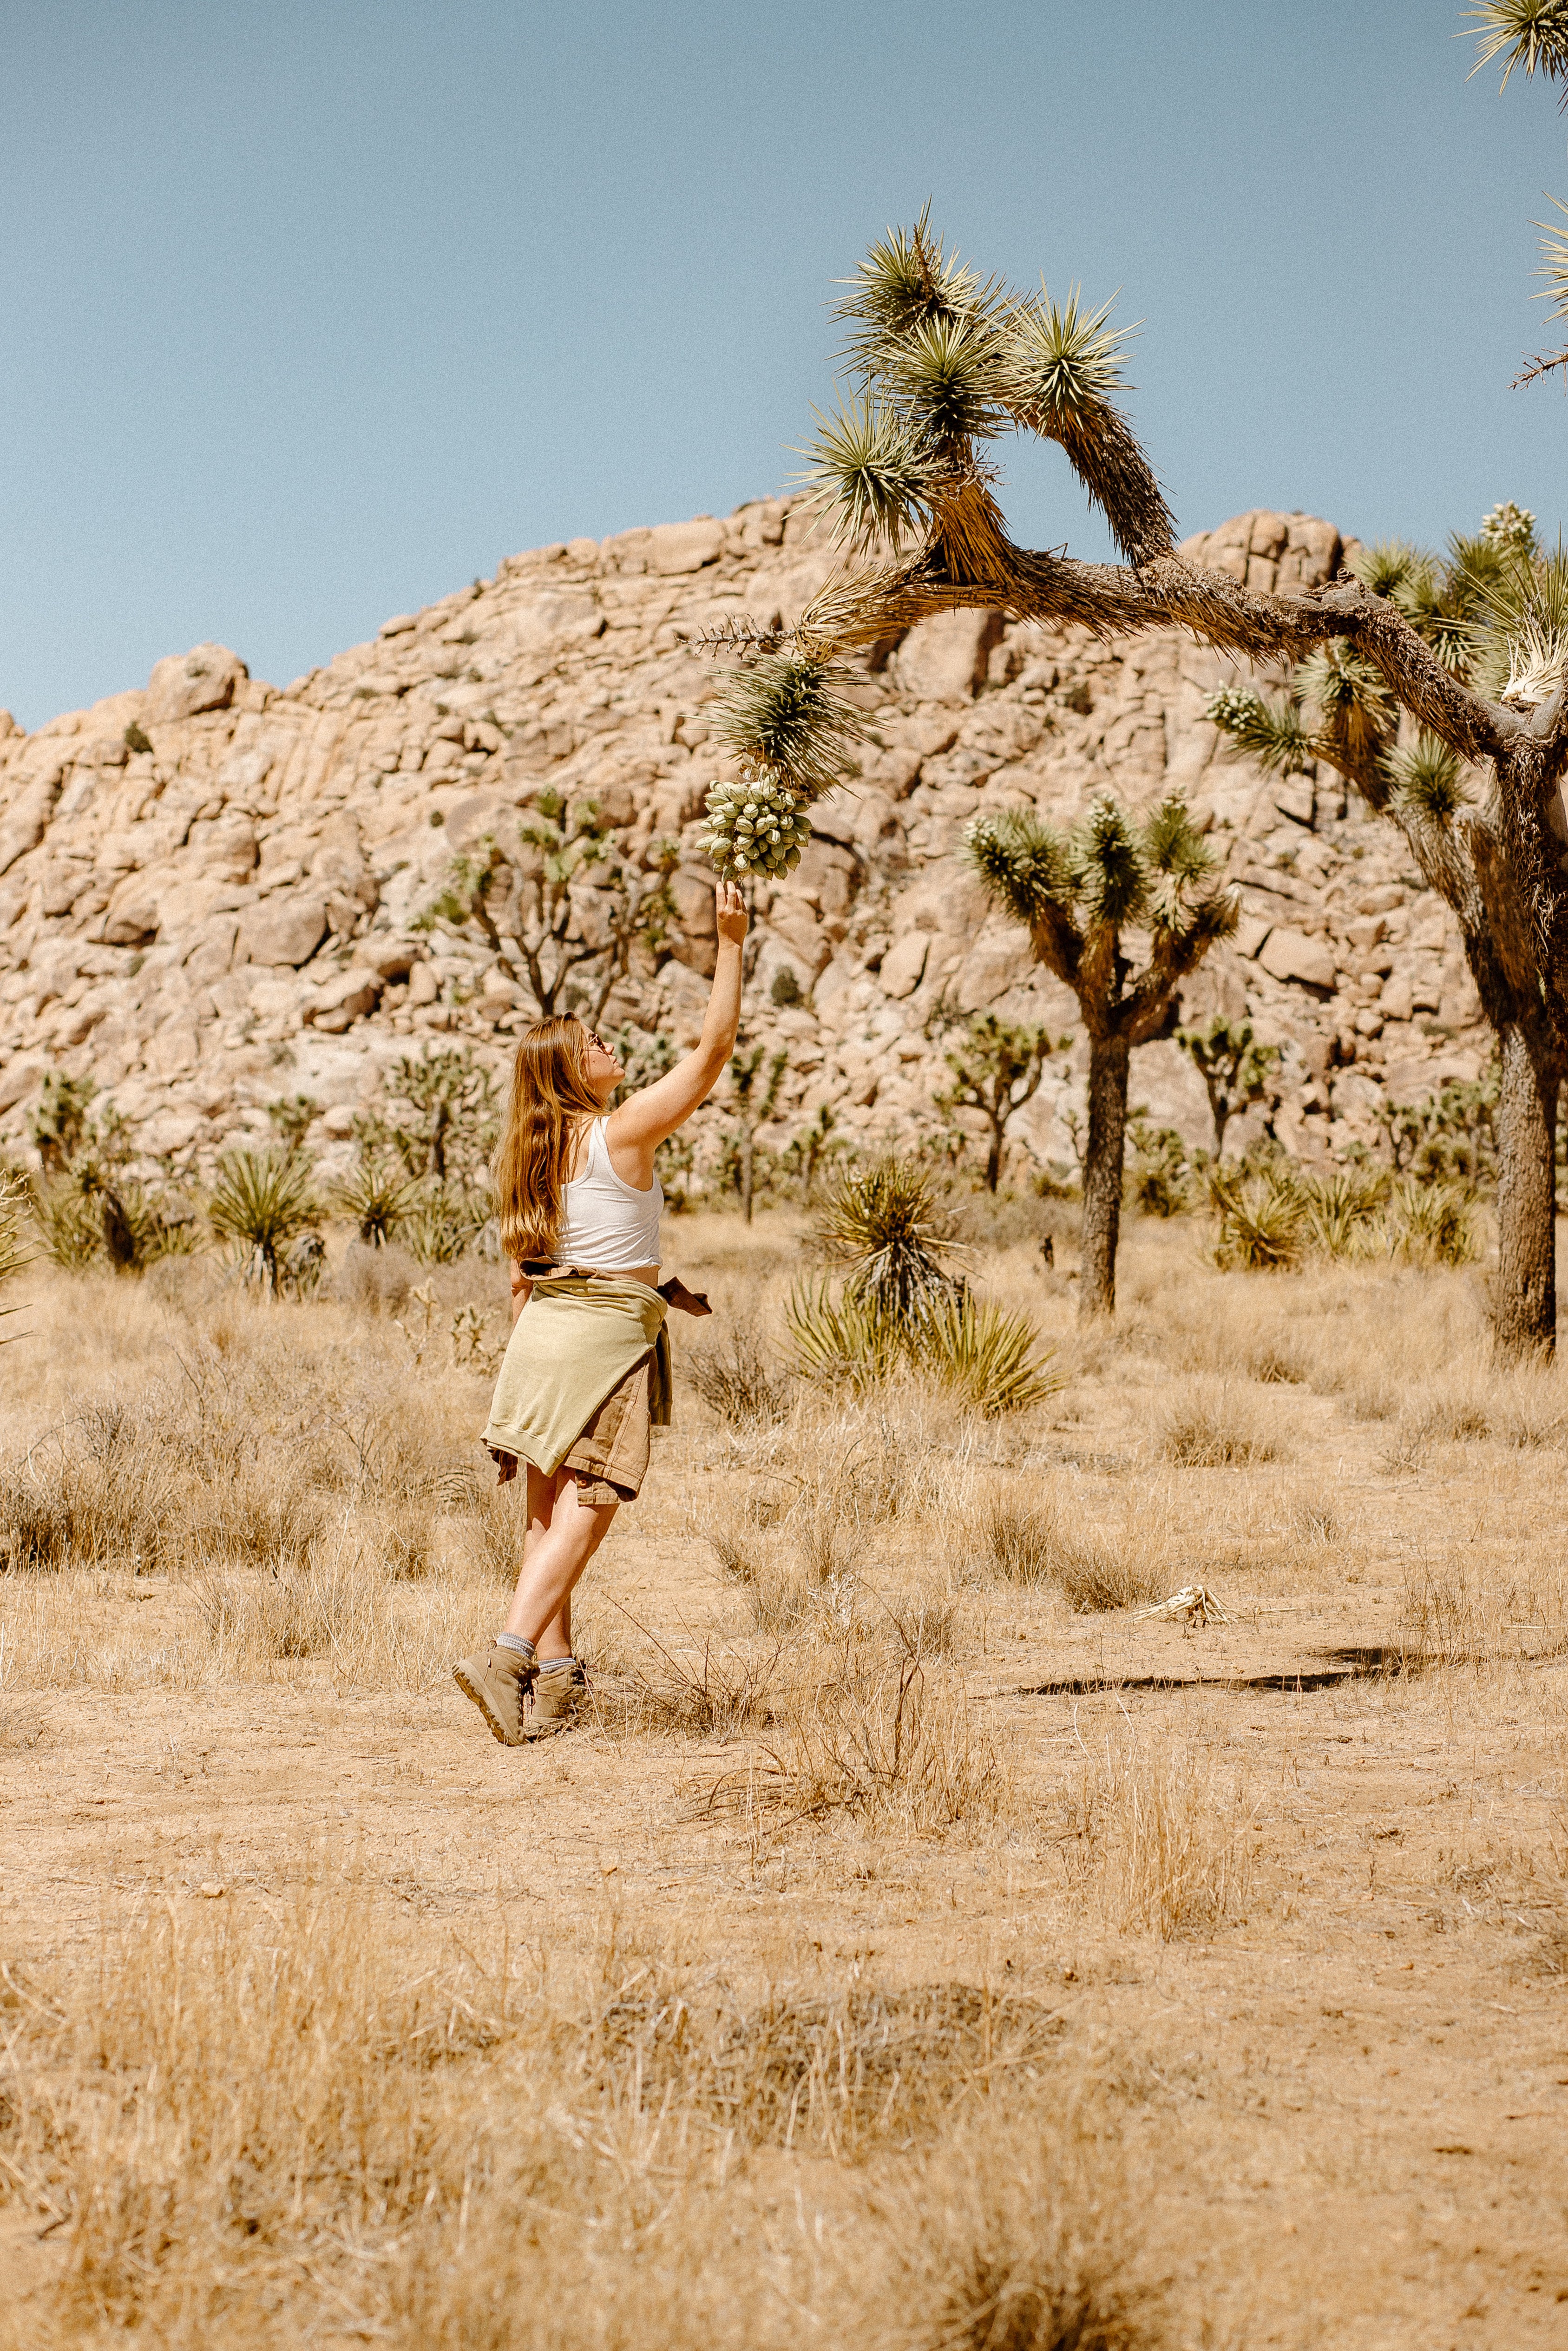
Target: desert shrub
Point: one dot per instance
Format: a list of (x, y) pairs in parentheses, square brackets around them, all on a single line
[(1214, 1428), (1259, 1220), (1160, 1177), (880, 1745), (988, 1357), (860, 2067), (1022, 2240), (1165, 1839), (443, 1220), (1281, 1360), (1450, 1139), (718, 1694), (375, 1279), (1431, 1224), (1033, 1545), (735, 1379), (60, 1122)]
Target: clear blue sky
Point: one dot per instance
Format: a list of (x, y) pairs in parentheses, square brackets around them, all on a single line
[(310, 312)]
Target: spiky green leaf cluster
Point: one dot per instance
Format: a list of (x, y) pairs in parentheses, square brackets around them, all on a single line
[(1387, 565), (906, 280), (1355, 713), (1110, 878), (1023, 863), (1519, 644), (872, 472), (1426, 777), (782, 717), (1272, 732), (1108, 872), (1061, 359), (1530, 34), (755, 827), (948, 374)]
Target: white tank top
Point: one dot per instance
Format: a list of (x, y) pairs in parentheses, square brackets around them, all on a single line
[(605, 1224)]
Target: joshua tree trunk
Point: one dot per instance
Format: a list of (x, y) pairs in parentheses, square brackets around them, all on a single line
[(993, 1157), (747, 1164), (1109, 1060), (1525, 1304)]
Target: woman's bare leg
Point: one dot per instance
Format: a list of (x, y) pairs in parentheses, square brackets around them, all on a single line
[(554, 1641), (562, 1538)]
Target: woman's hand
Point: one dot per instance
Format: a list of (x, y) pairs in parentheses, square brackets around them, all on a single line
[(729, 913)]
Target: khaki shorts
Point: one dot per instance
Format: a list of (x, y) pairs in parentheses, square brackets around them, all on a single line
[(610, 1460)]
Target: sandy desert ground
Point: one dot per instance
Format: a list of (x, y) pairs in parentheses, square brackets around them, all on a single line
[(917, 1948)]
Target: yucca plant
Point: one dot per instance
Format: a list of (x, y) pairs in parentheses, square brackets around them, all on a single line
[(1340, 1211), (988, 1356), (885, 1222), (1259, 1219), (845, 1339), (377, 1197), (1431, 1224), (262, 1202)]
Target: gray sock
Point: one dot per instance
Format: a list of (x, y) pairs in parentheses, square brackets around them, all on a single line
[(516, 1641), (557, 1665)]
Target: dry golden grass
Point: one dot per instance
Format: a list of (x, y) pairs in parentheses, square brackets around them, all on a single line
[(914, 1948)]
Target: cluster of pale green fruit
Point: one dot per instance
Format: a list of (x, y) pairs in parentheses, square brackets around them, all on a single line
[(757, 826)]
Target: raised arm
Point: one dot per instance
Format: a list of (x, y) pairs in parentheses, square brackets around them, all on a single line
[(641, 1124)]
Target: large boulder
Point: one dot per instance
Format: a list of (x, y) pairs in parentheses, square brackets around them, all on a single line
[(283, 929), (1291, 955), (944, 659), (186, 684)]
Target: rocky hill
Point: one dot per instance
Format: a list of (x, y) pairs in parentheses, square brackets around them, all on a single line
[(207, 885)]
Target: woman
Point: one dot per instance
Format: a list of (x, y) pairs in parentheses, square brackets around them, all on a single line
[(587, 1369)]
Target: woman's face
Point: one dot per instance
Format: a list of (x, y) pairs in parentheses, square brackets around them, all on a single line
[(601, 1068)]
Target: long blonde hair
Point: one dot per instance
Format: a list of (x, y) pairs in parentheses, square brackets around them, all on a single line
[(550, 1098)]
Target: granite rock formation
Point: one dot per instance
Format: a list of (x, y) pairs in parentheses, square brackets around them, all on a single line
[(208, 886)]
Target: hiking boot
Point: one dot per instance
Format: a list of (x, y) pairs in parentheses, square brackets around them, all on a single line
[(555, 1701), (498, 1684)]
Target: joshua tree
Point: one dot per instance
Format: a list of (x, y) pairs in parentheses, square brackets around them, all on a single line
[(812, 1144), (443, 1119), (1493, 615), (1533, 34), (571, 950), (995, 1069), (750, 1106), (947, 362), (1234, 1067), (1077, 894)]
